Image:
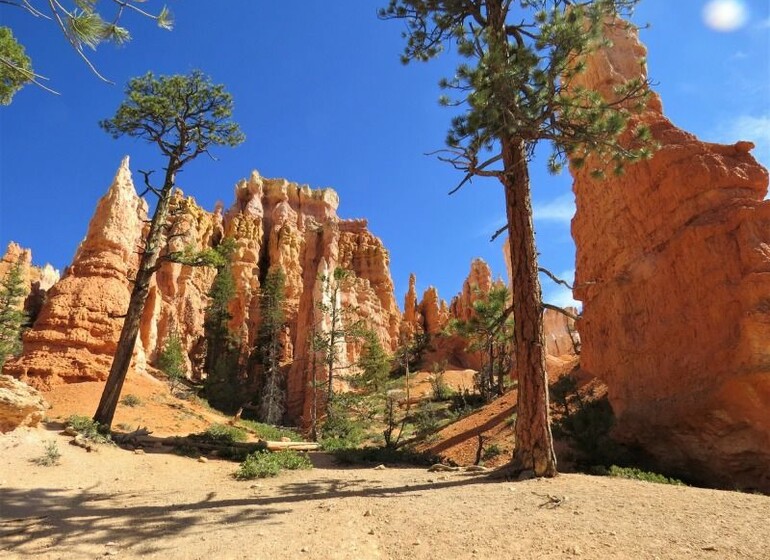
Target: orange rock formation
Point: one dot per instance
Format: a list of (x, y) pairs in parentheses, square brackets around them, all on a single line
[(673, 269), (76, 332), (274, 223), (37, 280)]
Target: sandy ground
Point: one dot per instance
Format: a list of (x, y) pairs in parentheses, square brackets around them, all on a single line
[(117, 503)]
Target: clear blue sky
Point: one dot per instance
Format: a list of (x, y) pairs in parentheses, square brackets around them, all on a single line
[(323, 100)]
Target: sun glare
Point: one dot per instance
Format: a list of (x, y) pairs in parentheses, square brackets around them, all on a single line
[(725, 15)]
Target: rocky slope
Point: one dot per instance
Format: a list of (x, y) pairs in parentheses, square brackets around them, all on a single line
[(673, 270)]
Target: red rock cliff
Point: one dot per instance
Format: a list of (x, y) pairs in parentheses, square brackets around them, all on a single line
[(673, 269), (275, 223)]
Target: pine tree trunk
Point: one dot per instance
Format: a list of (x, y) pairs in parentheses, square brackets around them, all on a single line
[(105, 412), (534, 442)]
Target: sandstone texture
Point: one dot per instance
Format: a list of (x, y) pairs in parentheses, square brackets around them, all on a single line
[(20, 404), (274, 224), (673, 269), (76, 332), (277, 223)]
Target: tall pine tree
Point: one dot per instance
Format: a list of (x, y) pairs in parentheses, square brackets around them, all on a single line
[(183, 116), (272, 396), (515, 89)]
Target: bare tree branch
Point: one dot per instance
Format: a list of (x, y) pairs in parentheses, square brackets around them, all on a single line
[(553, 277)]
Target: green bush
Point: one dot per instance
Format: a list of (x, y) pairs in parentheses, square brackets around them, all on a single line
[(426, 419), (638, 474), (221, 433), (262, 464), (171, 361), (491, 451), (346, 425), (88, 428), (50, 457), (131, 400)]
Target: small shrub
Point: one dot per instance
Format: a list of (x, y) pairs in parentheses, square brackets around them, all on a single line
[(586, 425), (131, 400), (221, 433), (466, 402), (88, 428), (426, 420), (491, 451), (50, 457), (345, 426), (171, 361), (439, 389), (638, 474), (263, 464)]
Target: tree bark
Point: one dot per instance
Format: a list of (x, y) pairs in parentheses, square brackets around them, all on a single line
[(534, 441), (105, 412)]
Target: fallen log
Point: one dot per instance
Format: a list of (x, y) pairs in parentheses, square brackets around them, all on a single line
[(250, 447)]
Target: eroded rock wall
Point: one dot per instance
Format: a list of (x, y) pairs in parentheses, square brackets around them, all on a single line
[(673, 269), (275, 224)]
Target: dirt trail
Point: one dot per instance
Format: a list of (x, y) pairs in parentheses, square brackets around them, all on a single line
[(117, 503)]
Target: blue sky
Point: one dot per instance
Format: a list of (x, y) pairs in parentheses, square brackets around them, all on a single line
[(323, 100)]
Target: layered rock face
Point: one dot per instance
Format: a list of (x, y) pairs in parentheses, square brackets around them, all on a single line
[(76, 332), (673, 269), (274, 223), (280, 224)]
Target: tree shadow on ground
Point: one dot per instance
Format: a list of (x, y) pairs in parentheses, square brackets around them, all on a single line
[(32, 521), (49, 517)]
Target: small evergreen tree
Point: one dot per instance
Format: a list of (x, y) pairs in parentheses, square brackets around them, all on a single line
[(171, 361), (222, 346), (15, 66), (374, 363), (489, 331), (12, 317), (338, 326), (272, 398)]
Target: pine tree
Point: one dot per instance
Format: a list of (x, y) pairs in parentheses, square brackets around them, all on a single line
[(272, 398), (338, 326), (171, 361), (15, 66), (516, 89), (82, 22), (184, 116), (374, 363), (223, 384), (489, 331), (12, 317)]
